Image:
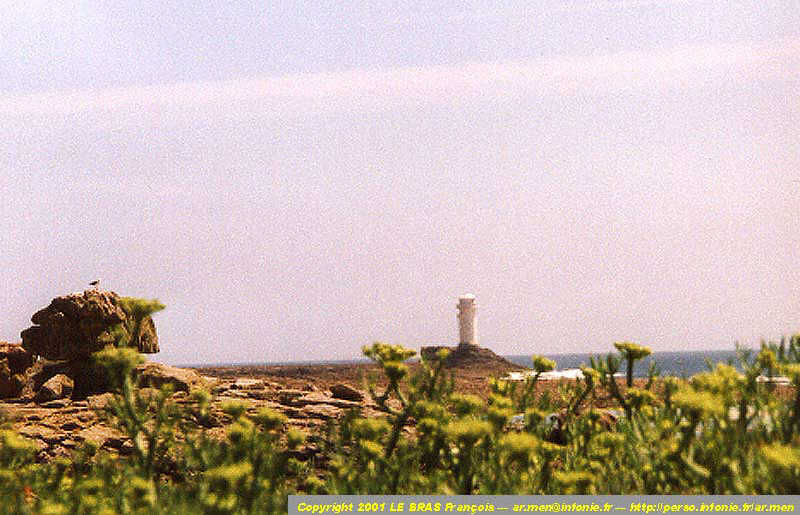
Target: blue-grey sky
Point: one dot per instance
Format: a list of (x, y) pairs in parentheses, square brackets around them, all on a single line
[(296, 181)]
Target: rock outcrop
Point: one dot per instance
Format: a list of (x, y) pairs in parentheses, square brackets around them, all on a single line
[(61, 425), (17, 358), (14, 361), (75, 326), (10, 384), (468, 355), (66, 334)]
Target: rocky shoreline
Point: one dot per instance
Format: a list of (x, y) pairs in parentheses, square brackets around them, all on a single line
[(308, 395), (59, 426)]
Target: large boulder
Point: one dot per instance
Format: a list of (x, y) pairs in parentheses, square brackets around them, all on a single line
[(14, 361), (155, 375), (75, 326), (346, 392), (57, 387), (17, 358), (8, 388), (29, 382)]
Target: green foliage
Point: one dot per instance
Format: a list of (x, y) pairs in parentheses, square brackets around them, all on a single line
[(385, 353), (632, 352), (722, 432), (140, 308), (118, 364), (136, 311), (542, 364), (15, 451), (269, 420)]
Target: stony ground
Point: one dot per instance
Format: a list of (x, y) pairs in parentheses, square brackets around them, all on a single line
[(305, 394), (468, 378)]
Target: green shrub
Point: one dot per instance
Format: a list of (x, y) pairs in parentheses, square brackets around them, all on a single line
[(722, 432), (137, 310)]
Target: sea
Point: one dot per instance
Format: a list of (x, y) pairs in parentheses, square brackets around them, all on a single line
[(679, 364)]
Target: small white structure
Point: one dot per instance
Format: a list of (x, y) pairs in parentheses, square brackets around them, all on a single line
[(467, 325)]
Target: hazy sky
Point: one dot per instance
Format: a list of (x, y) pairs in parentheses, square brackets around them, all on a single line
[(296, 181)]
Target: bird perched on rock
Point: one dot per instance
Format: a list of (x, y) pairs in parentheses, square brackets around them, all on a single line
[(95, 283)]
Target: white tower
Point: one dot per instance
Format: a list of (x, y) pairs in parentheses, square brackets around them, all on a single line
[(467, 328)]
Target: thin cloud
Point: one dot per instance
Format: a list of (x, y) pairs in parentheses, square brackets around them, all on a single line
[(621, 5), (677, 67), (466, 13)]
